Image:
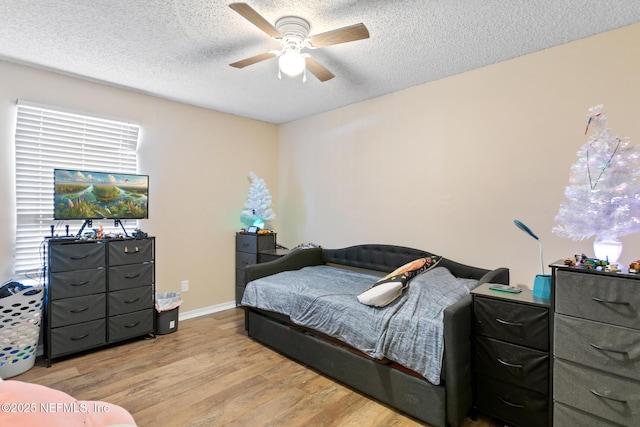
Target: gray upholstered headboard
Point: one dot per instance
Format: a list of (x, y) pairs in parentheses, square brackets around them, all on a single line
[(387, 258)]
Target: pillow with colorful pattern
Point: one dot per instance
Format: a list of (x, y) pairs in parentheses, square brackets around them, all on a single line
[(390, 287)]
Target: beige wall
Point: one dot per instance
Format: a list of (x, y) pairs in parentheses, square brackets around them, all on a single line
[(447, 166), (198, 166)]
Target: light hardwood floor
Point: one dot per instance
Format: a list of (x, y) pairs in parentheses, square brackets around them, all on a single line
[(209, 373)]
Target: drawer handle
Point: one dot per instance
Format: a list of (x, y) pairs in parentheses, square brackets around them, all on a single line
[(78, 257), (506, 322), (79, 284), (132, 277), (135, 250), (610, 350), (510, 365), (604, 396), (132, 325), (79, 338), (609, 302), (506, 402), (79, 310), (129, 301)]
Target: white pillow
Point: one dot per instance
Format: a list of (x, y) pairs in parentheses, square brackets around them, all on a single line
[(390, 287), (382, 294)]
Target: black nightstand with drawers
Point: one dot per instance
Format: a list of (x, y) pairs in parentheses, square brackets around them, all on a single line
[(596, 365), (252, 248), (511, 356)]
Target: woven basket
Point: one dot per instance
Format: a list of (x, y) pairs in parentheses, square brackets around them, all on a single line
[(20, 318)]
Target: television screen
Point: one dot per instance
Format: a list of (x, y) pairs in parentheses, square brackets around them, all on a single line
[(100, 195)]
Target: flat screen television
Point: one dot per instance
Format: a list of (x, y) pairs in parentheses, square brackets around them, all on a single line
[(89, 195)]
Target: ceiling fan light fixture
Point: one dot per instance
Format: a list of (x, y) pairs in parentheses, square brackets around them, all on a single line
[(293, 34), (291, 63)]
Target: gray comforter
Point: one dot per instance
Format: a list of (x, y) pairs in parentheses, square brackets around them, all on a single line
[(408, 331)]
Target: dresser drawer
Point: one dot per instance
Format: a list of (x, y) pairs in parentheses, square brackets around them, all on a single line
[(247, 243), (129, 300), (599, 297), (613, 349), (134, 251), (130, 276), (516, 405), (76, 256), (608, 396), (130, 325), (517, 323), (518, 365), (69, 311), (78, 337), (77, 283), (254, 243), (243, 259), (566, 416)]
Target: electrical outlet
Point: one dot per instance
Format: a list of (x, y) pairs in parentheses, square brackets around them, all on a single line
[(185, 285)]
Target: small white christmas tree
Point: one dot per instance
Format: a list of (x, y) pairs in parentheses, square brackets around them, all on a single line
[(257, 208), (604, 187)]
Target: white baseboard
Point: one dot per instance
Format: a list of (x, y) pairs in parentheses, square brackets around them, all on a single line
[(206, 310)]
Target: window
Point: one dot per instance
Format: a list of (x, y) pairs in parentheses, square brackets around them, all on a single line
[(49, 138)]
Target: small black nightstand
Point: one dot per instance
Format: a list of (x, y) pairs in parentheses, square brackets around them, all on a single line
[(511, 356), (272, 255)]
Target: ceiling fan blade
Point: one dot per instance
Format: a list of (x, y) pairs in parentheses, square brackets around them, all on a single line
[(341, 35), (256, 19), (252, 60), (318, 70)]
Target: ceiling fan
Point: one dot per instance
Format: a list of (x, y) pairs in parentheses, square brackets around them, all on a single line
[(293, 34)]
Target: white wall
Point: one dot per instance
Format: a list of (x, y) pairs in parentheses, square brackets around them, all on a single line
[(198, 167), (448, 166)]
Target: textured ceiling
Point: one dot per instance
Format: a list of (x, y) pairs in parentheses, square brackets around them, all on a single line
[(180, 49)]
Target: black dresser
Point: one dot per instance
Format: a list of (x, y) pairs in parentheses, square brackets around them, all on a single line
[(511, 356), (252, 248), (596, 365), (98, 292)]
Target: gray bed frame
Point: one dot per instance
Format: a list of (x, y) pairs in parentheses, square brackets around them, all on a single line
[(439, 405)]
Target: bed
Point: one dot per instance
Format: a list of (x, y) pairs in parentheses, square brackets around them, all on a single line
[(413, 354)]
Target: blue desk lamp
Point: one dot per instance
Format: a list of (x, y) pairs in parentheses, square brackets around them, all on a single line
[(542, 283)]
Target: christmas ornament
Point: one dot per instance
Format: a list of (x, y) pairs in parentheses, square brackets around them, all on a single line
[(603, 192)]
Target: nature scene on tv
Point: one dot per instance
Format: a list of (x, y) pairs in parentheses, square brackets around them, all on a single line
[(95, 195)]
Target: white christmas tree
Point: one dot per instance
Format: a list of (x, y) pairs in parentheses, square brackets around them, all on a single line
[(604, 187), (257, 208)]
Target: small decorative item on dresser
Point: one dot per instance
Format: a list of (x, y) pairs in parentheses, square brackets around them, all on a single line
[(542, 282)]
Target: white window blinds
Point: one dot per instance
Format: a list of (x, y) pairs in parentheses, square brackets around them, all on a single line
[(49, 138)]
